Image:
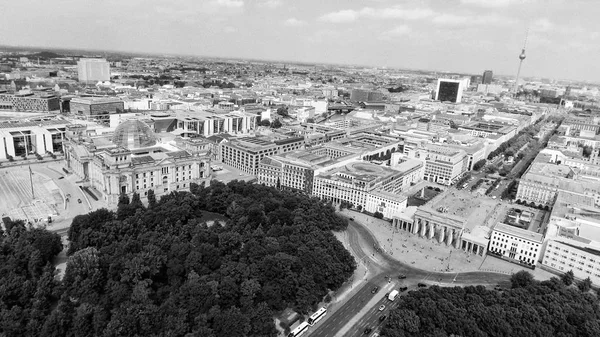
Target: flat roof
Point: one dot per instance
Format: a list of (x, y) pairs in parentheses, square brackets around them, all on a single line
[(518, 232)]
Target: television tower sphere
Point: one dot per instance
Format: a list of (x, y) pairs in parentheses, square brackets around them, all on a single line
[(522, 56)]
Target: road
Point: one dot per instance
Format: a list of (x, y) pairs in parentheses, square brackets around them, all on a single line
[(362, 308)]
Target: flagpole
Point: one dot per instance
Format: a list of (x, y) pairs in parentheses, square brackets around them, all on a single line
[(31, 181)]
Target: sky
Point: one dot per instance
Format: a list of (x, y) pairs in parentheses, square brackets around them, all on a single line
[(467, 36)]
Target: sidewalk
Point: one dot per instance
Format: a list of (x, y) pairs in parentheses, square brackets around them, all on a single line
[(430, 255)]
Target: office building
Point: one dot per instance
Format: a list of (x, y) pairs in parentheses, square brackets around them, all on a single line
[(449, 90), (26, 137), (365, 95), (487, 77), (93, 70), (96, 107), (39, 101), (518, 244), (245, 154), (372, 187), (443, 165)]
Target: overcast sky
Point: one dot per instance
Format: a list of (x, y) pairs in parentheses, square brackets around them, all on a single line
[(449, 35)]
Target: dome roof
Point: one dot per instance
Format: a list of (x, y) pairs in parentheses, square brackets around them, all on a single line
[(134, 134)]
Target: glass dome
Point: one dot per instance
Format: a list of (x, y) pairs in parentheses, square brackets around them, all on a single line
[(134, 134)]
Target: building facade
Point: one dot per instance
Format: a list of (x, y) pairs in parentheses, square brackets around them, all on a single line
[(444, 165), (246, 154), (132, 161), (23, 138), (42, 102), (96, 107), (449, 90), (563, 255), (92, 70), (517, 244)]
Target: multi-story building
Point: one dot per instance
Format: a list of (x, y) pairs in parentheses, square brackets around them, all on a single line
[(246, 153), (449, 90), (544, 180), (29, 101), (206, 124), (364, 185), (518, 244), (487, 77), (24, 137), (96, 107), (286, 173), (443, 165), (132, 160), (365, 95), (91, 70)]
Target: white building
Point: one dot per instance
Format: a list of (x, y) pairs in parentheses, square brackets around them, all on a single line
[(93, 70), (583, 258), (514, 243)]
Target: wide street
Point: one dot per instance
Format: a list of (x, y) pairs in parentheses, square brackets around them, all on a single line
[(361, 310)]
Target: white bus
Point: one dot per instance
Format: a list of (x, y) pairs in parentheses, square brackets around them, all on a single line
[(314, 318), (300, 329)]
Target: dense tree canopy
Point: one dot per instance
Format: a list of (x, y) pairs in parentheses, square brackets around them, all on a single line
[(163, 271), (530, 308)]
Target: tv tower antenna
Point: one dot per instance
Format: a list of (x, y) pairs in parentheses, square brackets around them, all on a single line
[(521, 57)]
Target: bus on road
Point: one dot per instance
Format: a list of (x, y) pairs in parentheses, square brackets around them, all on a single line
[(314, 318), (300, 329)]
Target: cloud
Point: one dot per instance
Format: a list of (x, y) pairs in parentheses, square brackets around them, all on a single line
[(397, 31), (394, 12), (230, 3), (454, 20), (293, 22), (270, 3), (491, 3), (542, 25), (345, 15)]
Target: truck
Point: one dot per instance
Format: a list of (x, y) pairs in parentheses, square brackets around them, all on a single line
[(392, 295)]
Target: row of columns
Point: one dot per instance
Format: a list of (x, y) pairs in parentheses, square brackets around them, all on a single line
[(471, 247), (430, 230)]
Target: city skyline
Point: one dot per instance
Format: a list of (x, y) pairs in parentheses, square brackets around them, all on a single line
[(457, 36)]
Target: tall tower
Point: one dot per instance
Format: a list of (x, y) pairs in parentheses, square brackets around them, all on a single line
[(521, 57)]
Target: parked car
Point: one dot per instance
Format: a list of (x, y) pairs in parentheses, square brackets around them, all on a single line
[(403, 289), (381, 307), (422, 285), (382, 318), (374, 290), (79, 201), (401, 276), (367, 330)]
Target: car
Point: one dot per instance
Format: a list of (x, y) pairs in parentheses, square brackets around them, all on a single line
[(494, 197), (422, 285), (374, 290), (351, 219), (401, 276), (79, 201), (401, 289), (382, 307), (382, 318), (367, 330)]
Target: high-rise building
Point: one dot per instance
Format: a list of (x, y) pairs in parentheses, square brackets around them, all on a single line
[(449, 90), (93, 70), (487, 77)]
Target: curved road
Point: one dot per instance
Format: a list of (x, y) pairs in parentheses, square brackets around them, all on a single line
[(383, 265)]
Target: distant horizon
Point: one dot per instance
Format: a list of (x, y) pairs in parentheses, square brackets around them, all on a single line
[(133, 53)]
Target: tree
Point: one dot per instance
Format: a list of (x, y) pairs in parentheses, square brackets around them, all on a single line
[(568, 278), (521, 279), (282, 111), (378, 215), (276, 124), (265, 122), (585, 285), (152, 198), (479, 164)]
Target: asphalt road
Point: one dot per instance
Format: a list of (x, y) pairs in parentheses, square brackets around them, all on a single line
[(383, 265)]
